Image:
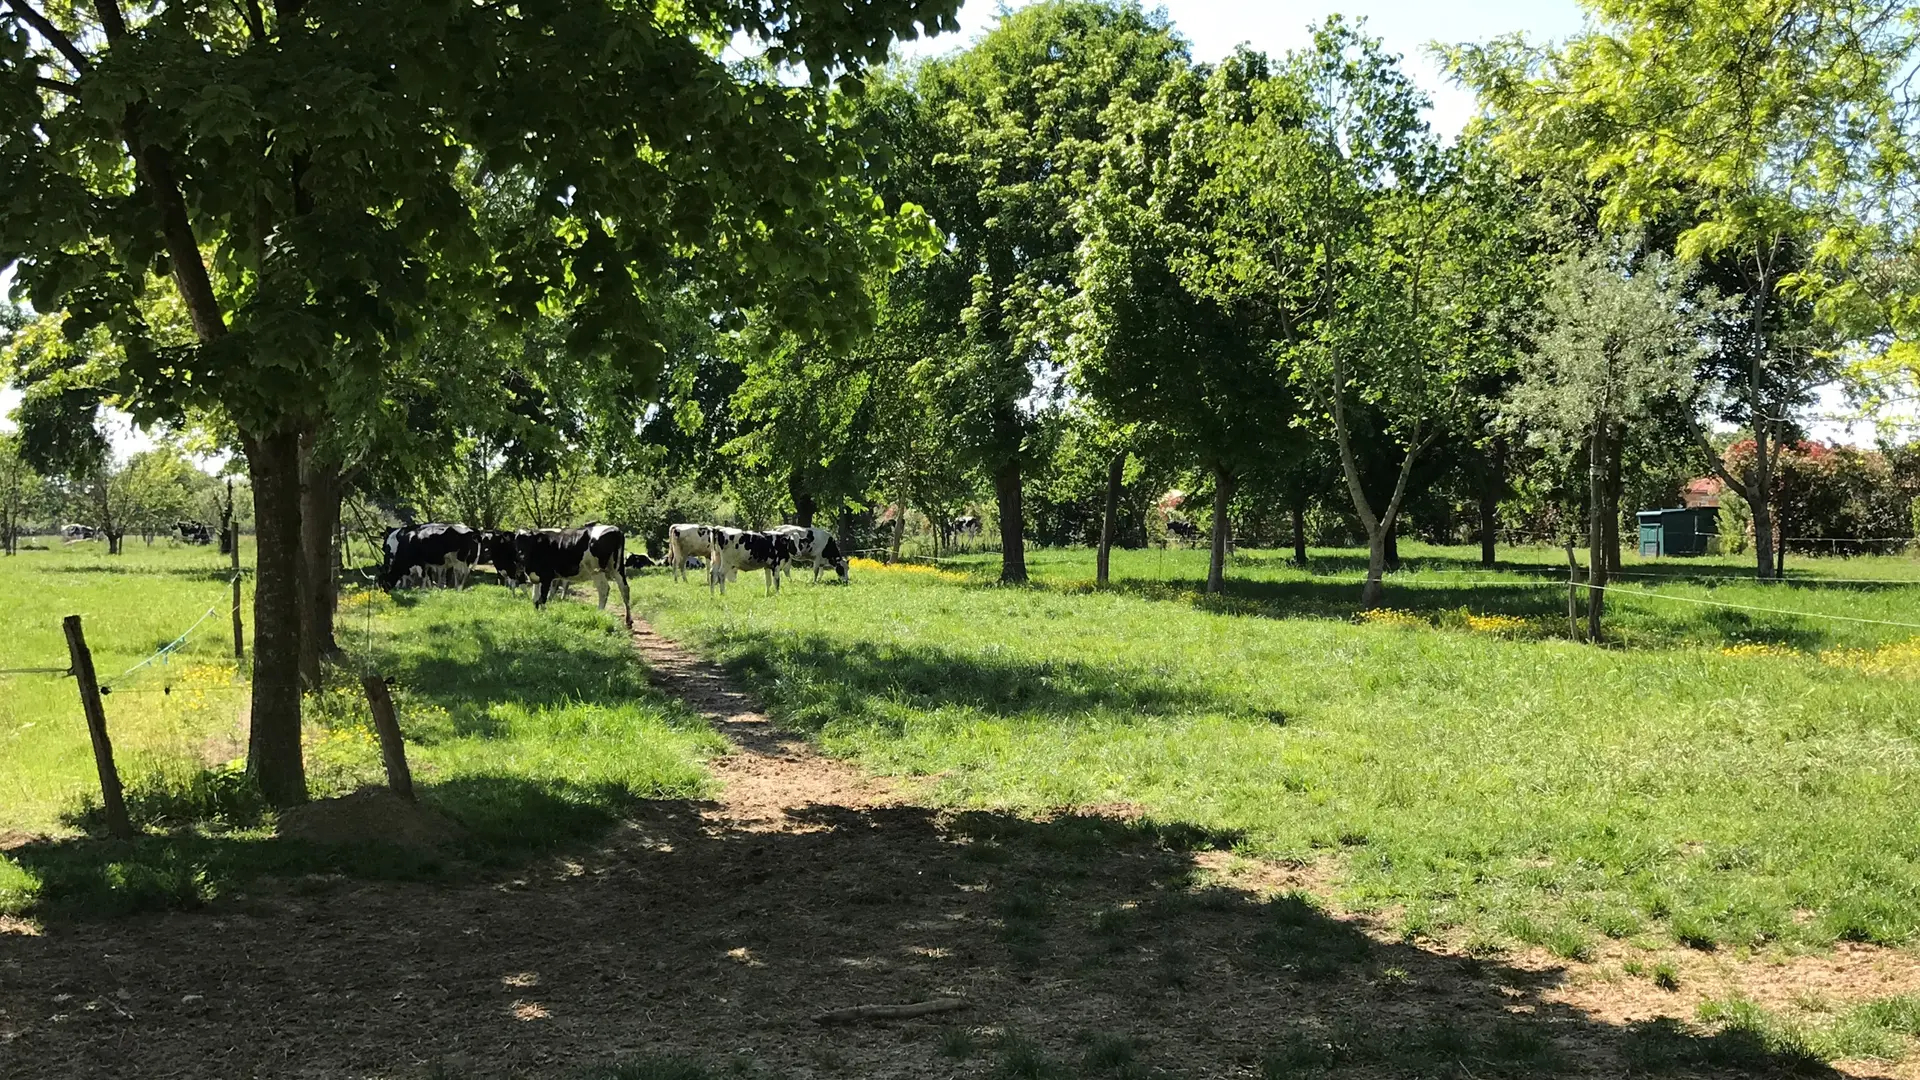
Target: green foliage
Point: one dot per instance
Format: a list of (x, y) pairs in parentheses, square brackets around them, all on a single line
[(1619, 340)]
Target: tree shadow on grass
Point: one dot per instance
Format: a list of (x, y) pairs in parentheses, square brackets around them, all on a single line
[(812, 681), (1542, 602), (1084, 946), (212, 840), (530, 670)]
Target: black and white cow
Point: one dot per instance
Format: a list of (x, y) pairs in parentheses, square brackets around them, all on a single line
[(193, 532), (559, 557), (442, 552), (815, 547), (72, 533), (1185, 530), (498, 550), (639, 561), (686, 543), (735, 550)]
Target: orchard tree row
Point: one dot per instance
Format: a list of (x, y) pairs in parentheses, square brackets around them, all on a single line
[(462, 255)]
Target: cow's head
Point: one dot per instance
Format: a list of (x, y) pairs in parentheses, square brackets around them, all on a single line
[(838, 560)]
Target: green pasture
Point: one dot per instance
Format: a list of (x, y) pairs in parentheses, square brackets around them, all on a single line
[(1715, 775), (1718, 776), (528, 729)]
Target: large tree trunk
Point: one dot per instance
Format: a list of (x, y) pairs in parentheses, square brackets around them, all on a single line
[(1223, 482), (1299, 532), (899, 530), (1013, 548), (1760, 499), (319, 520), (1110, 518), (1780, 549), (1374, 592), (1393, 547), (1596, 531), (804, 505), (273, 742), (1489, 528)]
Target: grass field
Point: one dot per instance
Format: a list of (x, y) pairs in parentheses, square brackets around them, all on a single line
[(1719, 777), (528, 730)]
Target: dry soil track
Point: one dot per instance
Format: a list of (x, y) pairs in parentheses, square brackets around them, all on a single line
[(717, 930)]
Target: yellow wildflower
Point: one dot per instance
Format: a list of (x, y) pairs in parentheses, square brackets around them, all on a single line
[(1394, 617), (1497, 624), (1898, 659), (1758, 650)]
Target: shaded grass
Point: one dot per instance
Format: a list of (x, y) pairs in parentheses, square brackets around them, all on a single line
[(1524, 788), (530, 731)]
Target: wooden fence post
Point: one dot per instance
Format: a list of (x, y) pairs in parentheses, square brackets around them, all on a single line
[(239, 634), (393, 751), (1573, 609), (111, 799)]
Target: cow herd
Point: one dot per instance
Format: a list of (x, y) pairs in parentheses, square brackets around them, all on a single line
[(446, 554)]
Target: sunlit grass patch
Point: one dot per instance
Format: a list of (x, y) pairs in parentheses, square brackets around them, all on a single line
[(1453, 759)]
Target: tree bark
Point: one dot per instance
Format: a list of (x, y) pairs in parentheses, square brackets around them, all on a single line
[(804, 504), (1616, 483), (1110, 519), (1596, 531), (319, 520), (273, 742), (1489, 529), (1299, 532), (1013, 550), (1760, 483), (1393, 547), (1223, 483)]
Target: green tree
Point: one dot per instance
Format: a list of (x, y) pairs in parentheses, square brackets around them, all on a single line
[(1384, 259), (1621, 339), (1774, 131), (21, 492), (297, 171), (1152, 352), (1018, 130)]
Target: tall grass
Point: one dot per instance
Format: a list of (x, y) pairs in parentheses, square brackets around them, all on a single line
[(1719, 777)]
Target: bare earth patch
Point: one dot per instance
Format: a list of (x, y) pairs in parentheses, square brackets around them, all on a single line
[(718, 930)]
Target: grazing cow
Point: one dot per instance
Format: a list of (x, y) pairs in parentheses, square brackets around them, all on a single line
[(561, 556), (638, 561), (446, 553), (1185, 530), (815, 547), (72, 533), (193, 532), (735, 550), (684, 543), (498, 550)]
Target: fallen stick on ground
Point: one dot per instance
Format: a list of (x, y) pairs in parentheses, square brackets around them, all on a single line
[(889, 1012)]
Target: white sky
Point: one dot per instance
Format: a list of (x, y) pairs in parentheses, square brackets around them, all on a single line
[(1215, 27)]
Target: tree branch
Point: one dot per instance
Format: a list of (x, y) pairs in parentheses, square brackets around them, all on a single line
[(1715, 462), (56, 86), (45, 28), (112, 23), (256, 22)]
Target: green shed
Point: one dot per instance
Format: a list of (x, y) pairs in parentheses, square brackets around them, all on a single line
[(1681, 531)]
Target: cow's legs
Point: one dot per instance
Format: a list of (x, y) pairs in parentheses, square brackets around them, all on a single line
[(626, 600), (600, 586)]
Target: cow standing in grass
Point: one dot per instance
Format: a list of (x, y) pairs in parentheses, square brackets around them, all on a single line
[(436, 551), (498, 551), (686, 542), (735, 550), (815, 547), (560, 557)]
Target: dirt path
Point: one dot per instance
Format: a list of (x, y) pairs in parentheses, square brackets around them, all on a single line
[(771, 774), (1088, 945)]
